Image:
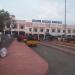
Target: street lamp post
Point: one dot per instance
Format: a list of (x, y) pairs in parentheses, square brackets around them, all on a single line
[(65, 20)]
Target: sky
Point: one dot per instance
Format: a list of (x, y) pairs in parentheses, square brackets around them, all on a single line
[(40, 9)]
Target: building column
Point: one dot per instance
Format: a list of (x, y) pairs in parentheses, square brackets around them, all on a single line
[(71, 35), (25, 33), (4, 32), (11, 32), (44, 36), (18, 29), (18, 32), (38, 36)]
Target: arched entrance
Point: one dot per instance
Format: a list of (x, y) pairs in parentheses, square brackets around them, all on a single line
[(41, 36), (48, 36), (7, 32), (21, 33), (36, 36), (15, 33)]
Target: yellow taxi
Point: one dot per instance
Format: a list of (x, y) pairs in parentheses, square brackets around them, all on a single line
[(31, 41)]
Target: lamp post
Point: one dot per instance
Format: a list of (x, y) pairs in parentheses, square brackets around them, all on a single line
[(65, 20)]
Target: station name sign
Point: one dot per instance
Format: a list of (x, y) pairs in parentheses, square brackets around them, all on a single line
[(46, 21)]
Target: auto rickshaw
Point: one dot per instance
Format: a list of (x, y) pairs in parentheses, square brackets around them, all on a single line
[(31, 41)]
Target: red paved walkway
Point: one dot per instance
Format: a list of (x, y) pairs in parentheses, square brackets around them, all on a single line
[(21, 60)]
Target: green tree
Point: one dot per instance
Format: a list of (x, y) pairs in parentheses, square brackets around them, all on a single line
[(4, 19)]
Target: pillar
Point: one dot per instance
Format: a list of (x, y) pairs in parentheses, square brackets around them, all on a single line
[(18, 32), (38, 36), (4, 32), (11, 32), (44, 36)]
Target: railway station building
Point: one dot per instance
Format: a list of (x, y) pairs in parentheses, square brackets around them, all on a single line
[(41, 28)]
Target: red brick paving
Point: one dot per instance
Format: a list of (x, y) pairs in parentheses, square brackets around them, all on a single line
[(21, 60)]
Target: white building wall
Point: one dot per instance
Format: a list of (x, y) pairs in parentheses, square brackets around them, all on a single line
[(45, 26)]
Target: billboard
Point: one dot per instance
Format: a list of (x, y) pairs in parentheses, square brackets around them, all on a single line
[(58, 22), (33, 20), (46, 21)]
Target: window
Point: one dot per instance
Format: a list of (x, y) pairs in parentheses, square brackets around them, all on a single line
[(35, 29), (15, 26), (53, 30), (73, 36), (63, 31), (8, 26), (41, 30), (73, 31), (30, 29), (22, 27), (69, 31), (58, 30), (68, 35), (47, 30)]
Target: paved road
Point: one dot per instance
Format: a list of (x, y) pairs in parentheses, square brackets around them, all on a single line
[(59, 63)]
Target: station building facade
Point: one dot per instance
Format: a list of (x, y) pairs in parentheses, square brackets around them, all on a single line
[(41, 28)]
